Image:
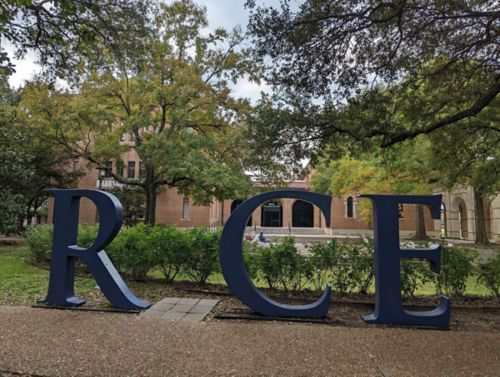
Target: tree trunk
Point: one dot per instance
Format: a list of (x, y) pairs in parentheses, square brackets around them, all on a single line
[(150, 210), (480, 220), (420, 233), (150, 191)]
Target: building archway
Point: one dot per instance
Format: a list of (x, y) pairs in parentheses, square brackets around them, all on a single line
[(235, 204), (302, 214), (488, 214), (350, 207), (272, 214), (462, 218), (444, 225)]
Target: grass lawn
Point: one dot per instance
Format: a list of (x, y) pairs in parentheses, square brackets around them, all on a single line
[(22, 283)]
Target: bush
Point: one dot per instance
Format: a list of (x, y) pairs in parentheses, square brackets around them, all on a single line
[(203, 257), (365, 262), (345, 273), (489, 274), (281, 263), (268, 265), (413, 274), (323, 258), (348, 266), (250, 257), (456, 267), (87, 234), (171, 247), (132, 253), (39, 241)]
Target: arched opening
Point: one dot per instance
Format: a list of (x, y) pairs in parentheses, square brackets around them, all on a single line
[(272, 214), (302, 214), (350, 207), (235, 204), (185, 208), (444, 229), (487, 218), (462, 218)]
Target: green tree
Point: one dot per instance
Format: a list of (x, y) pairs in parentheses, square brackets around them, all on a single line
[(400, 170), (171, 94), (471, 159), (329, 51), (15, 171), (62, 33), (30, 164)]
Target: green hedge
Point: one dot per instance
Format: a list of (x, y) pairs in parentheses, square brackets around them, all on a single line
[(489, 274), (348, 266), (138, 250)]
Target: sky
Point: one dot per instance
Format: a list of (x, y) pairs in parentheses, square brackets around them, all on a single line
[(225, 13)]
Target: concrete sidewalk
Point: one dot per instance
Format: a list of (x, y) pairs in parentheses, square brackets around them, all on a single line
[(40, 342)]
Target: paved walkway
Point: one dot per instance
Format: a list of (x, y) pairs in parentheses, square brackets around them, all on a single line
[(74, 343), (176, 308)]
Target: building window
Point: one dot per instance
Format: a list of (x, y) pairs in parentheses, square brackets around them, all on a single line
[(185, 208), (108, 169), (350, 207), (131, 170), (142, 170), (401, 210), (119, 168), (76, 165)]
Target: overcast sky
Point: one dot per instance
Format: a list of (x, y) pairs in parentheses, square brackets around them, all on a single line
[(225, 13)]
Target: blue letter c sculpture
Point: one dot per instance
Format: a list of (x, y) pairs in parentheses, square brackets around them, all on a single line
[(233, 267)]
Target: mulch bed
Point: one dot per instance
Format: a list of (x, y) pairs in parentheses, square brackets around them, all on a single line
[(468, 313)]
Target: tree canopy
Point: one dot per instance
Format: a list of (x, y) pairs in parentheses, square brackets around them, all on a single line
[(30, 163), (63, 33), (329, 52), (171, 96)]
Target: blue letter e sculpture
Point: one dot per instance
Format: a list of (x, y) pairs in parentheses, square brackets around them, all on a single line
[(233, 268), (65, 251), (388, 255)]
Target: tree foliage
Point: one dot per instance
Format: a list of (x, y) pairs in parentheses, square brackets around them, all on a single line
[(63, 33), (29, 164), (171, 96), (327, 52)]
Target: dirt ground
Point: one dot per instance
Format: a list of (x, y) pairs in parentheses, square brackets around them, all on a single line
[(40, 342), (467, 314)]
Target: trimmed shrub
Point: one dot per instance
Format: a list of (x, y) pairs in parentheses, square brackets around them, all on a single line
[(203, 257), (345, 273), (413, 274), (365, 262), (132, 253), (489, 274), (456, 267), (39, 241), (87, 234), (282, 264), (250, 257), (172, 248), (323, 258), (268, 266)]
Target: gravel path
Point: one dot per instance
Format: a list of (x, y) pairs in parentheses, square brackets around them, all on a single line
[(40, 342)]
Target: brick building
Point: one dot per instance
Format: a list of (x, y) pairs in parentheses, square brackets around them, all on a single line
[(459, 214), (294, 215)]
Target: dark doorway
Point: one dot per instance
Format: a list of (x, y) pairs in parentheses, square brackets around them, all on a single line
[(272, 214), (302, 214), (235, 204), (462, 218)]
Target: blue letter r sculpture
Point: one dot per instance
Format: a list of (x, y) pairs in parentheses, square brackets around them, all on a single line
[(65, 251), (233, 267)]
